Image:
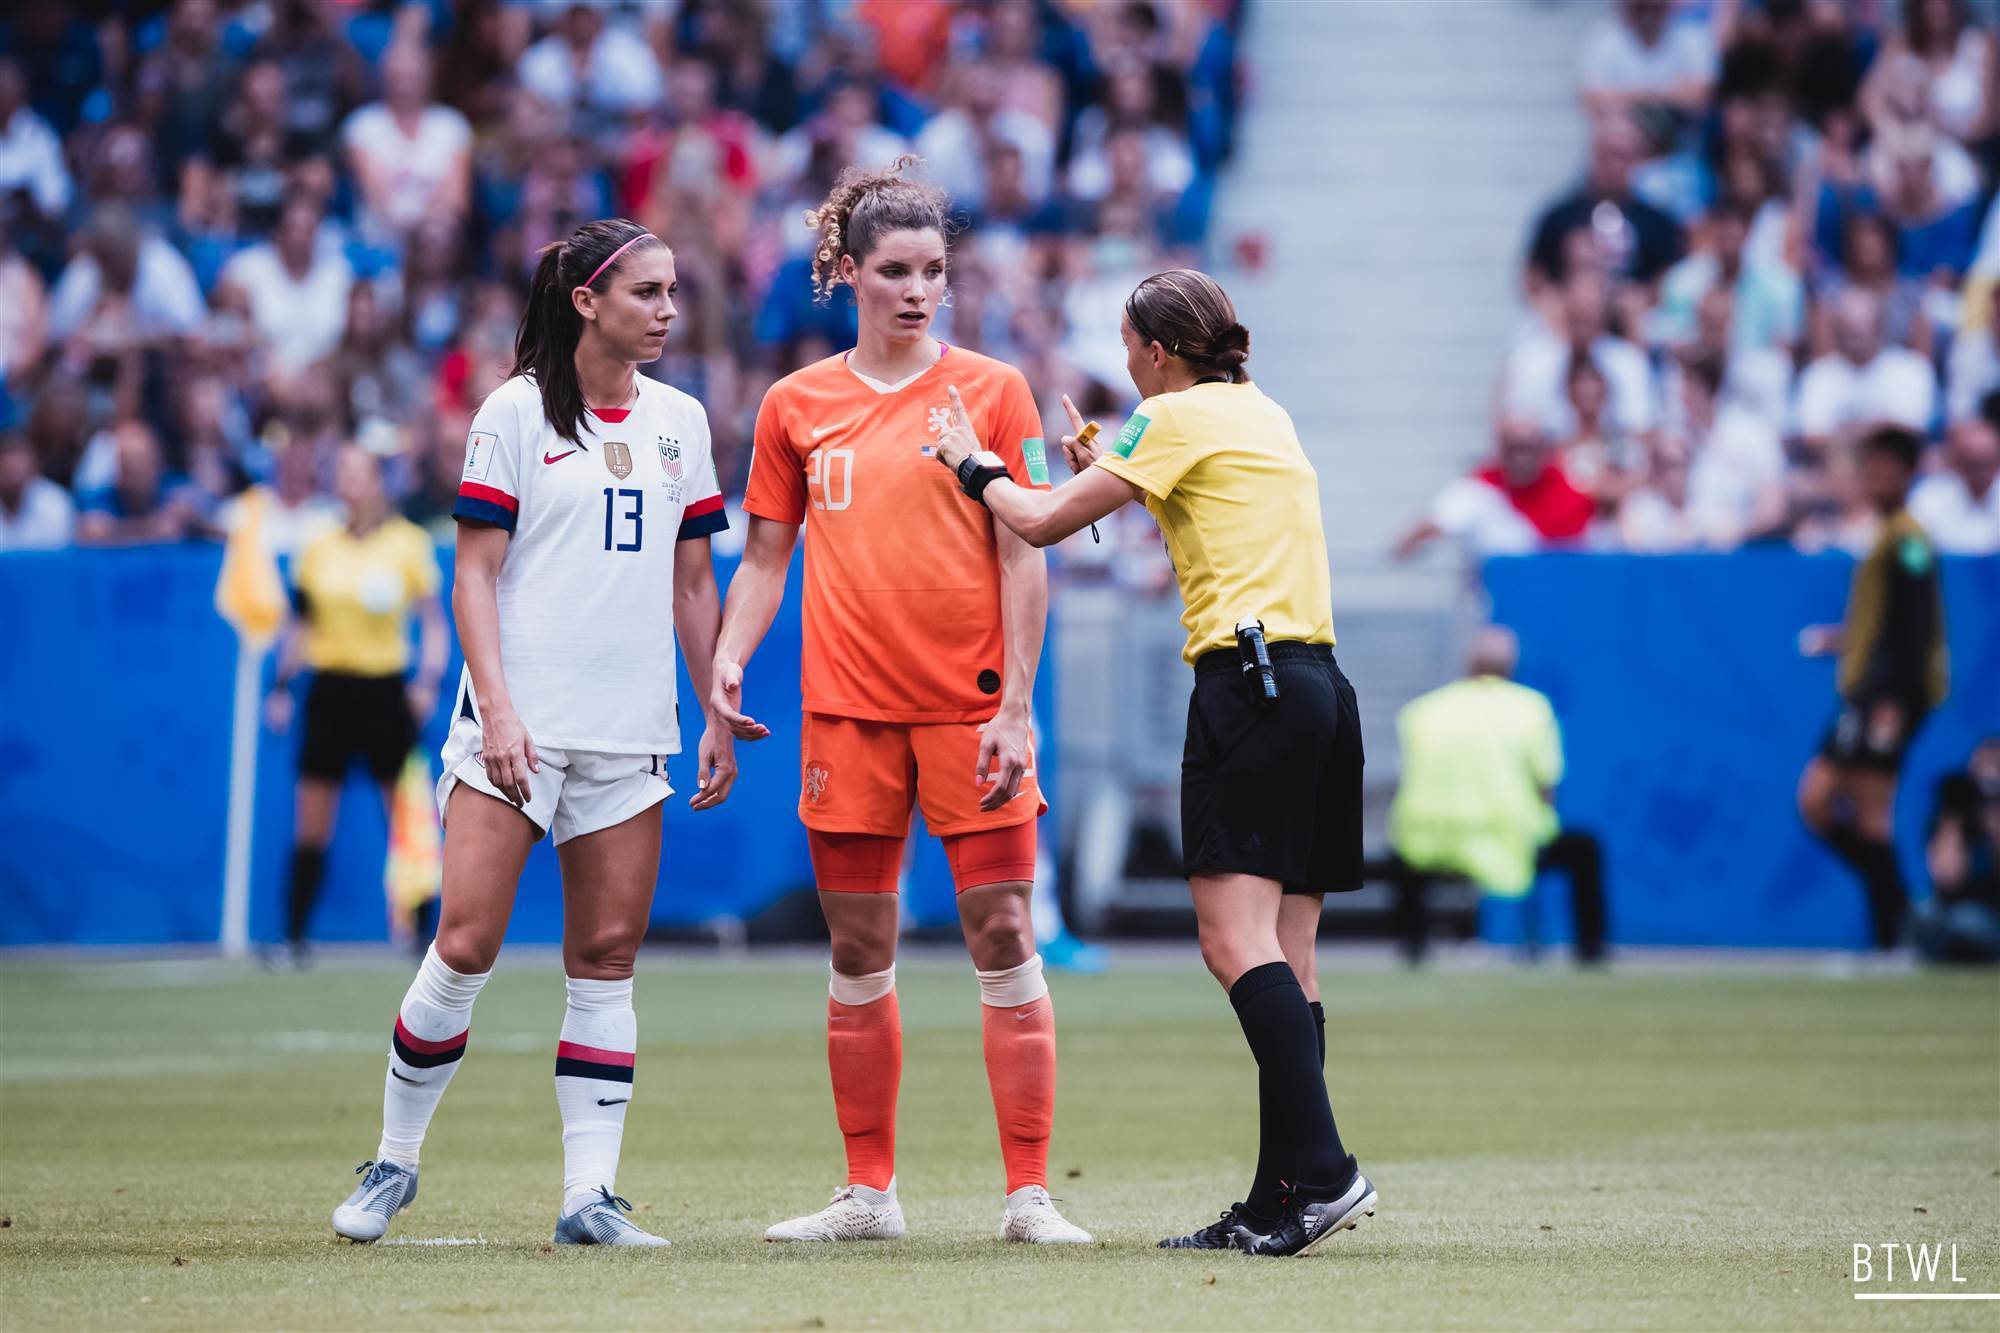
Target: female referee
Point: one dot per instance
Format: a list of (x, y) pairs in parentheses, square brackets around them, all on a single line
[(587, 495), (923, 627), (1271, 777), (354, 587)]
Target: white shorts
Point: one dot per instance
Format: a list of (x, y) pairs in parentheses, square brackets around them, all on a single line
[(577, 791)]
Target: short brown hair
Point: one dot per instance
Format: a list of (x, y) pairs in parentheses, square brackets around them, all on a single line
[(1187, 312), (863, 207)]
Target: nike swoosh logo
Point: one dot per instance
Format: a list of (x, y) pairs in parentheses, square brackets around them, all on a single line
[(1023, 1015), (612, 1101), (818, 431), (393, 1074), (556, 458)]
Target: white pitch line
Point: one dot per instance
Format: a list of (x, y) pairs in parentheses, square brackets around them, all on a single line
[(1927, 1295), (437, 1240)]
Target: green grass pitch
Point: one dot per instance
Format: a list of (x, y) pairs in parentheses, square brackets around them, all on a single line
[(1695, 1149)]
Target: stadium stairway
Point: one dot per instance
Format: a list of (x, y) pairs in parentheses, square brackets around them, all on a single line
[(1391, 159)]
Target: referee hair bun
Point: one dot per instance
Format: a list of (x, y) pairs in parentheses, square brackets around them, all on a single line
[(1232, 347)]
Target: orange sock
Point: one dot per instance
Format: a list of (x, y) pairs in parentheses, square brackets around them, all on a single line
[(1020, 1045), (864, 1052)]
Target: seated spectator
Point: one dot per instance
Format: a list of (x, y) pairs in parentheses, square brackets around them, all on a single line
[(1959, 505), (31, 156), (321, 71), (1519, 501), (411, 157), (252, 150), (954, 143), (1640, 57), (1972, 371), (36, 514), (1013, 45), (295, 287), (125, 286), (296, 510), (144, 502), (1658, 516), (1756, 378), (847, 129), (1136, 97), (1862, 382), (1936, 232), (1595, 456), (1481, 758), (1869, 261), (24, 311), (586, 64), (1770, 300), (1535, 377), (1734, 458), (1961, 922), (1638, 240), (1948, 59)]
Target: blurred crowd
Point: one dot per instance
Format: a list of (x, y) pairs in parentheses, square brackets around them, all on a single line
[(238, 234), (1783, 237)]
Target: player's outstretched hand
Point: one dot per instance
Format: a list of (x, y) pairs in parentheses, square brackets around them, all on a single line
[(1003, 753), (1080, 447), (959, 442), (714, 768), (278, 709), (509, 755), (726, 698)]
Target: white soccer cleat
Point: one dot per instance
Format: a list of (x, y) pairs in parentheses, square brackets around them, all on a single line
[(856, 1213), (385, 1190), (1032, 1219)]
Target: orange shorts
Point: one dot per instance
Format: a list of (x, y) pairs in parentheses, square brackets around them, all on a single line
[(863, 777), (872, 862)]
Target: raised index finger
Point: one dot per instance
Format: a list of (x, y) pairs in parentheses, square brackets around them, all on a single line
[(958, 407), (1075, 417)]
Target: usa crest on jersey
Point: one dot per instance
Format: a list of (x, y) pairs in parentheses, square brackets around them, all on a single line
[(670, 458)]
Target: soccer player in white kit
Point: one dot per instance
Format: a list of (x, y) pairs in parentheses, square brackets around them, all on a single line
[(584, 514)]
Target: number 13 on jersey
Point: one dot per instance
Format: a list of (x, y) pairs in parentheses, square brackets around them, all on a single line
[(614, 520)]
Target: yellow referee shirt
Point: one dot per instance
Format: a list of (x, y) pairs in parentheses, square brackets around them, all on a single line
[(358, 592), (1226, 479)]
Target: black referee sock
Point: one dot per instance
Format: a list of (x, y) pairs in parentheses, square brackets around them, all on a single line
[(308, 872), (1267, 1187), (1881, 879), (1278, 1024)]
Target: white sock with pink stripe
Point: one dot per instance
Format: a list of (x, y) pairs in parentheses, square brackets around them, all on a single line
[(594, 1060), (424, 1051)]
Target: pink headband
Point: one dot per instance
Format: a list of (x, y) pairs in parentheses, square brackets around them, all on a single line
[(612, 258)]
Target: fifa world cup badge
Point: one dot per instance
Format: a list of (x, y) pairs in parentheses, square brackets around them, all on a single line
[(618, 458)]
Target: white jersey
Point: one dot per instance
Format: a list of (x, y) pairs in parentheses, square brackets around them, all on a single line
[(586, 591)]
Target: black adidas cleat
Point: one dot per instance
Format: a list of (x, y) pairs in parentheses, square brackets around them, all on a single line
[(1217, 1235), (1307, 1222)]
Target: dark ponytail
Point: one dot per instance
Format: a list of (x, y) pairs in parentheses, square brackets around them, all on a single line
[(545, 344), (1187, 312)]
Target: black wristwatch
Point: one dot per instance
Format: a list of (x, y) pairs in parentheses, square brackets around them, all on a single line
[(978, 470)]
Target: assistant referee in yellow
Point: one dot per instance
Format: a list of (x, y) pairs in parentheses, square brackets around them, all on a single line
[(1271, 776)]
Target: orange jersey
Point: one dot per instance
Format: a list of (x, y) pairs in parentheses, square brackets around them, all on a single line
[(902, 599)]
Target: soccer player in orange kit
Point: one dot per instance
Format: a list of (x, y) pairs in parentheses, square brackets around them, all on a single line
[(923, 628)]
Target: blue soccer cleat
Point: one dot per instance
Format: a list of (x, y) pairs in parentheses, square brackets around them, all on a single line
[(385, 1190), (602, 1221)]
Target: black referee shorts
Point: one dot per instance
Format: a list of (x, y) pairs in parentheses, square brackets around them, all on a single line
[(1274, 791), (356, 717)]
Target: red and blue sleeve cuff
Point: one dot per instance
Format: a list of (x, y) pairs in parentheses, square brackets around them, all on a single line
[(703, 518), (485, 504)]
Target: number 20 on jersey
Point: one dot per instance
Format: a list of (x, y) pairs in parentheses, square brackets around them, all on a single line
[(830, 478)]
